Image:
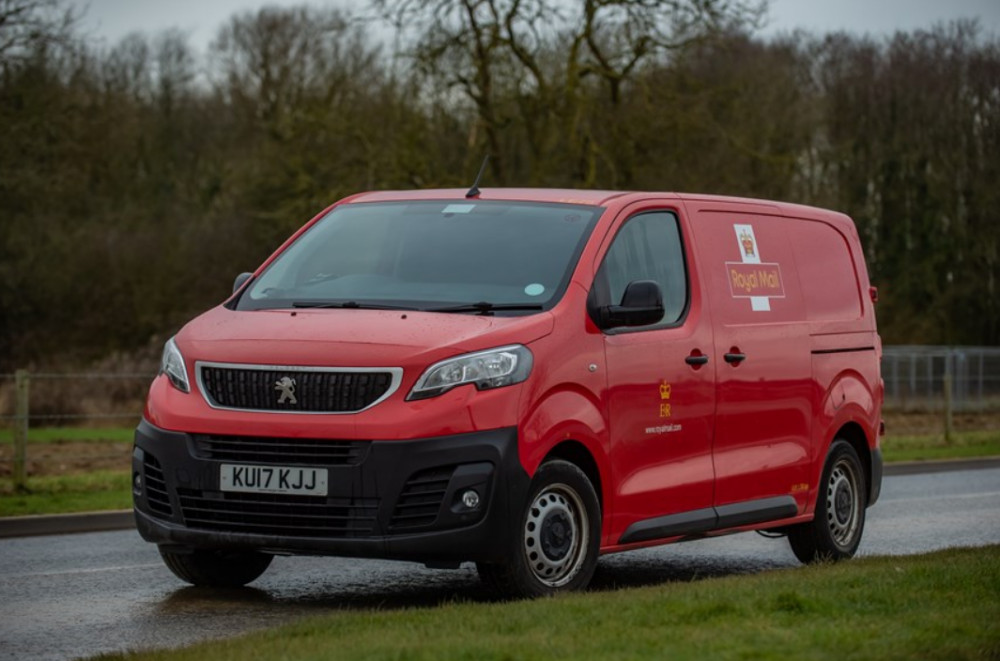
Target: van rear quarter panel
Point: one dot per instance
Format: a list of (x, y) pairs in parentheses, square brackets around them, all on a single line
[(810, 343), (844, 344), (764, 405)]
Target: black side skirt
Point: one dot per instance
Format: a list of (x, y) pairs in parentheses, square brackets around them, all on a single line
[(698, 522)]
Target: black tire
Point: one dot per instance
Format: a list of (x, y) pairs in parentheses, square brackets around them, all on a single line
[(225, 569), (835, 531), (557, 540)]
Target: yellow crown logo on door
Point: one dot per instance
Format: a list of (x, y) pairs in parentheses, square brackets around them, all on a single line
[(664, 390)]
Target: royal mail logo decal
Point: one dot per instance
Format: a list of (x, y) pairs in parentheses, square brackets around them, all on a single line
[(752, 278), (755, 280)]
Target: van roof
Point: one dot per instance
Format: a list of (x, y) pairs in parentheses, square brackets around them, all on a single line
[(576, 196), (563, 195)]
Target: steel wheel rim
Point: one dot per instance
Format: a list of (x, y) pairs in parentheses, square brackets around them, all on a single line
[(843, 503), (555, 534)]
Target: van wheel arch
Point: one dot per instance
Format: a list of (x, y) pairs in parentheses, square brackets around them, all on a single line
[(854, 435), (577, 453)]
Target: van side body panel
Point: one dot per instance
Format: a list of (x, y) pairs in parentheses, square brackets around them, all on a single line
[(815, 335), (765, 407)]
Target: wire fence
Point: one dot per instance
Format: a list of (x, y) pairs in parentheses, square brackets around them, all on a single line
[(924, 378), (53, 411), (69, 422)]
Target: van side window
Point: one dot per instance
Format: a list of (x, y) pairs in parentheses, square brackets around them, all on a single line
[(648, 247)]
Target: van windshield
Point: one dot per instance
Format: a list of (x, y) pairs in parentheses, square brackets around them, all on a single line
[(476, 257)]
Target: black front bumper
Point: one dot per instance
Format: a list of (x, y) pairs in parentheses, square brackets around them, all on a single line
[(389, 499)]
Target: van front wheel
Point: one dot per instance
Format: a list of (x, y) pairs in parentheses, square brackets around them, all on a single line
[(216, 568), (835, 532), (556, 544)]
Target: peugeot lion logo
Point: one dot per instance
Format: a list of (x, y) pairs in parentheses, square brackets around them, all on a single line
[(286, 387)]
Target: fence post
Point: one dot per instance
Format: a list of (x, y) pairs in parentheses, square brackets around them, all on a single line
[(947, 407), (21, 417)]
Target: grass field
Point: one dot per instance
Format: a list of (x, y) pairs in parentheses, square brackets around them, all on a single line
[(944, 605), (933, 446), (79, 469), (62, 494)]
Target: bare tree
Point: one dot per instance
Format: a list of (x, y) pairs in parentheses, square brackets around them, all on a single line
[(542, 53), (28, 24)]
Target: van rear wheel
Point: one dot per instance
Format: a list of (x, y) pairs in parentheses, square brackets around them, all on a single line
[(227, 569), (835, 531), (556, 544)]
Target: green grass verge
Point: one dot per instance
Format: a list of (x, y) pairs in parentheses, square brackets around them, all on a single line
[(98, 490), (944, 605), (72, 434), (963, 445)]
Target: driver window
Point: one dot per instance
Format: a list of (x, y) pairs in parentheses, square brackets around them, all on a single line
[(648, 247)]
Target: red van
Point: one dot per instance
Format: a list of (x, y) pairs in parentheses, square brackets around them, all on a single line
[(524, 379)]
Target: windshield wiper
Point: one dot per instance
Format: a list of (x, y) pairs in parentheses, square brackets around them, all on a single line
[(351, 305), (485, 307)]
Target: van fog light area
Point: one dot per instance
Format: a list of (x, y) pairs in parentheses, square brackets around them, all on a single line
[(136, 484), (470, 499)]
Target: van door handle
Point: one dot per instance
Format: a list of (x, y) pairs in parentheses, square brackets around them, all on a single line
[(700, 359), (734, 358)]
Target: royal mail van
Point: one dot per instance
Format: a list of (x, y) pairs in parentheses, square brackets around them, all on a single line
[(524, 379)]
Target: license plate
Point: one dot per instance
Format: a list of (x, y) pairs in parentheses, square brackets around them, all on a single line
[(273, 479)]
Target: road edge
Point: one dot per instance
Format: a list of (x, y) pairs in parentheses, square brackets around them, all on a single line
[(65, 524), (940, 465)]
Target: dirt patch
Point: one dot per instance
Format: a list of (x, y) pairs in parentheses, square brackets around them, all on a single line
[(69, 457), (913, 424)]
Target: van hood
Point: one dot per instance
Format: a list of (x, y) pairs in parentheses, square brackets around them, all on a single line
[(349, 337)]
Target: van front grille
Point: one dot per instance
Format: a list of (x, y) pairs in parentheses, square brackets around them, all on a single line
[(268, 388), (283, 451), (278, 515)]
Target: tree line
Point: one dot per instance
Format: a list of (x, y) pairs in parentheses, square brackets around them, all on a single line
[(137, 179)]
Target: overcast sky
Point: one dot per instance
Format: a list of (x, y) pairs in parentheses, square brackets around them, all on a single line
[(113, 19)]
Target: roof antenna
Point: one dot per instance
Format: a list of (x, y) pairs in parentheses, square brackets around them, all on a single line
[(474, 191)]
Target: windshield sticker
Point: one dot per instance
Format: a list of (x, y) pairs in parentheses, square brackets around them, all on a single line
[(751, 278), (458, 208), (534, 289)]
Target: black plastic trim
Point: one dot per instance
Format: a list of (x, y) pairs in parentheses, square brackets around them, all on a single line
[(701, 521), (673, 525), (820, 352), (756, 511), (454, 534), (875, 488)]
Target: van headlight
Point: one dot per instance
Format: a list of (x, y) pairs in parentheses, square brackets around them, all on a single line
[(172, 364), (486, 369)]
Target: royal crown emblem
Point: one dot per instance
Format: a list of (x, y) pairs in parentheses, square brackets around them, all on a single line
[(664, 391), (747, 242)]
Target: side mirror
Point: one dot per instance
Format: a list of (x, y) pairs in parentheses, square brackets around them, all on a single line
[(241, 280), (642, 304)]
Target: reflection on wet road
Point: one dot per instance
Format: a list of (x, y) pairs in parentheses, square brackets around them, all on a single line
[(76, 595)]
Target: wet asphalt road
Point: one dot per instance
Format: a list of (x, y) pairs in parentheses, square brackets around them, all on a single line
[(68, 596)]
